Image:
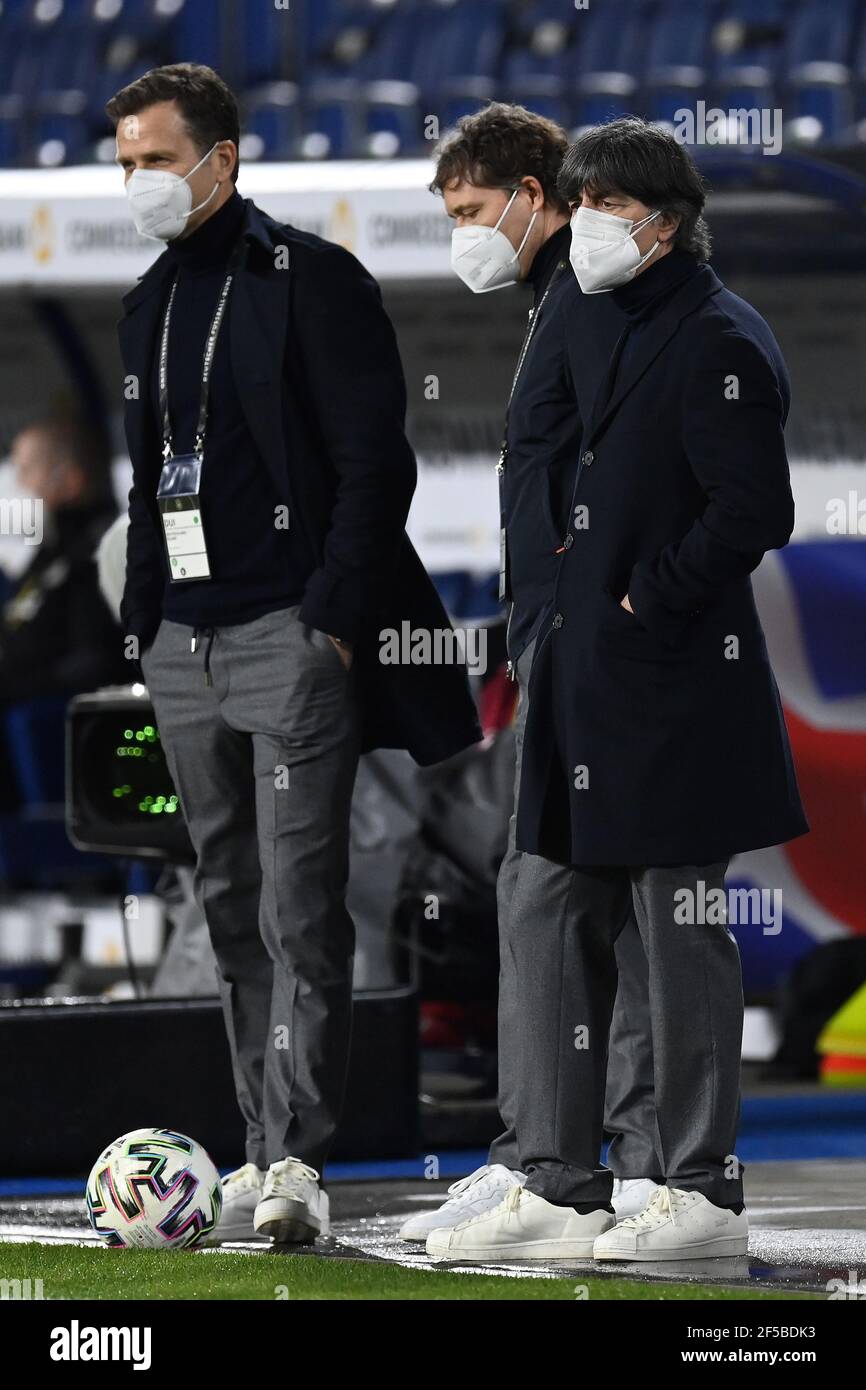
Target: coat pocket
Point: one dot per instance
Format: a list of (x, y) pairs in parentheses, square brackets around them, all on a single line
[(623, 633)]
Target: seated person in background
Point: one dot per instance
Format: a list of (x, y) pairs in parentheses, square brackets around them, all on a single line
[(57, 635)]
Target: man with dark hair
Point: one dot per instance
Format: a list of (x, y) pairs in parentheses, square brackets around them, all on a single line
[(57, 636), (496, 146), (499, 169), (199, 97), (655, 745), (263, 559)]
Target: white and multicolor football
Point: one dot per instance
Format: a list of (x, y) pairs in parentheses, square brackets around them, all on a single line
[(153, 1189)]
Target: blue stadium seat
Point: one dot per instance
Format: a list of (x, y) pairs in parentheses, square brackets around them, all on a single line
[(271, 115), (331, 85), (317, 21), (679, 56), (45, 73), (51, 63), (367, 72), (200, 35), (539, 82), (535, 69), (140, 35), (607, 57), (458, 56), (818, 66), (60, 138), (264, 45), (10, 140), (144, 20), (69, 62), (430, 60), (749, 35)]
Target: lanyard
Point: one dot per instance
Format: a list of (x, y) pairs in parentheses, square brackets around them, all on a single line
[(535, 315), (207, 361)]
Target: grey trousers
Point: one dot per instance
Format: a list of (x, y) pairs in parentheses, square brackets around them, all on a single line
[(612, 1017), (264, 760)]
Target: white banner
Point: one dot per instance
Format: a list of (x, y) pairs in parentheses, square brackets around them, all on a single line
[(454, 520), (72, 226)]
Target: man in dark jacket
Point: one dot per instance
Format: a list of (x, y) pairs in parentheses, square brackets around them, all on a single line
[(260, 364), (497, 175), (655, 745), (57, 636)]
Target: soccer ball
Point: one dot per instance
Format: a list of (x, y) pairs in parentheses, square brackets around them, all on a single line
[(153, 1189)]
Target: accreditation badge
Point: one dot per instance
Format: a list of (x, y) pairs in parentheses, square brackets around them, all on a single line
[(178, 496)]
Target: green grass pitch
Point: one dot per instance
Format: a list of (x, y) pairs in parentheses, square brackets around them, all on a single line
[(80, 1272)]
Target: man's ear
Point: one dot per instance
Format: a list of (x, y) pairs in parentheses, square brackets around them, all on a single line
[(667, 225), (227, 155), (533, 187)]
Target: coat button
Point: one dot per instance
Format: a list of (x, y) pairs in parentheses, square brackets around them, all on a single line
[(588, 458), (569, 541), (558, 620)]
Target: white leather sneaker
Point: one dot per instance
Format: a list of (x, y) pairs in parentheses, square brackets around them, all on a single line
[(241, 1191), (479, 1192), (676, 1225), (631, 1196), (292, 1207), (522, 1227)]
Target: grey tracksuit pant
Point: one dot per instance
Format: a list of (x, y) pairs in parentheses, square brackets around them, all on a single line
[(613, 1018), (264, 760)]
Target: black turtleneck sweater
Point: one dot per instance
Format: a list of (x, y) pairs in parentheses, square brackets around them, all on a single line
[(640, 300), (554, 251), (255, 567)]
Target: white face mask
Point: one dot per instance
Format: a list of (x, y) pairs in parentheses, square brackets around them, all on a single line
[(603, 252), (161, 202), (484, 258)]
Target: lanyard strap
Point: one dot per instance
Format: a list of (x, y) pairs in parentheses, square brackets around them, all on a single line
[(207, 361), (534, 316)]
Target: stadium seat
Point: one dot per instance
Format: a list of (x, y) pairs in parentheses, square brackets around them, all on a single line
[(271, 122), (349, 78), (201, 35), (10, 140), (388, 95), (679, 55), (606, 60), (420, 57), (265, 47), (66, 72), (458, 57), (535, 69), (331, 82), (60, 137), (748, 43), (819, 52)]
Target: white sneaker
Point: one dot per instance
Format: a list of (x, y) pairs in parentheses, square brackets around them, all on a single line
[(292, 1207), (676, 1225), (522, 1227), (479, 1192), (241, 1191), (631, 1196)]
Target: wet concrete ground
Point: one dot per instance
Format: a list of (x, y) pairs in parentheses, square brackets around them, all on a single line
[(808, 1226)]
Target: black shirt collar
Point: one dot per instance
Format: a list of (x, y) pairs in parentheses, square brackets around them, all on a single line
[(211, 243), (643, 296), (546, 258)]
